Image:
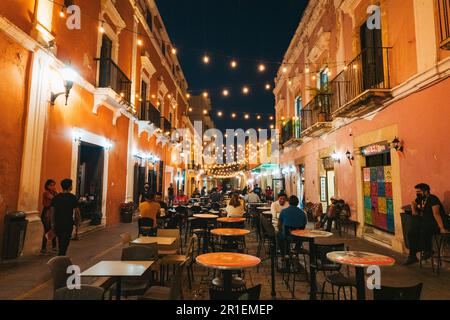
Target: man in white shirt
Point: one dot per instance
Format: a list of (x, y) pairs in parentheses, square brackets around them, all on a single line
[(252, 198), (276, 208)]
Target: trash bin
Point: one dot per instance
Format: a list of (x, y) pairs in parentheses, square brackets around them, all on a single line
[(408, 223), (15, 228)]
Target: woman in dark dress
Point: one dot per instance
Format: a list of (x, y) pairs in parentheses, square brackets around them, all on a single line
[(49, 193)]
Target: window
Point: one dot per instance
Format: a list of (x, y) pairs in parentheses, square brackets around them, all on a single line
[(149, 19), (444, 23)]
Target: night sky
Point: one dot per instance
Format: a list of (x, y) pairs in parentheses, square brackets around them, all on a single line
[(252, 31)]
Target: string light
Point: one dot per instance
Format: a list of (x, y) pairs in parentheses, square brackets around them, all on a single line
[(205, 94), (205, 111), (61, 13), (233, 64), (268, 86), (225, 93), (284, 69), (220, 113), (233, 115), (245, 90), (140, 42), (188, 95), (246, 117), (271, 118), (206, 59), (174, 51), (262, 67), (190, 109)]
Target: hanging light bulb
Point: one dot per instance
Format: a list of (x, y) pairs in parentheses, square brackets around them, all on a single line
[(233, 115), (190, 109), (205, 94), (140, 42), (206, 59), (247, 117), (268, 86), (307, 69), (271, 118), (245, 90), (101, 28), (284, 69), (174, 51), (220, 113), (262, 68), (61, 13), (258, 117), (233, 64), (188, 95)]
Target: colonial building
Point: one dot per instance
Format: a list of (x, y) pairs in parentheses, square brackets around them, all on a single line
[(362, 105), (123, 93)]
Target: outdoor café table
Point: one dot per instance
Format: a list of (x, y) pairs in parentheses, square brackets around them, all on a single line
[(311, 235), (162, 241), (360, 260), (118, 270), (228, 262), (205, 216), (231, 222), (230, 235)]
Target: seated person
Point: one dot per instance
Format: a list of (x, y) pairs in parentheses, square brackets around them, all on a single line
[(162, 204), (277, 207), (181, 199), (235, 208), (330, 216), (252, 197), (150, 208), (291, 218), (215, 196), (196, 193), (432, 220)]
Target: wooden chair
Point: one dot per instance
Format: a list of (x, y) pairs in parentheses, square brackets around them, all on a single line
[(175, 248)]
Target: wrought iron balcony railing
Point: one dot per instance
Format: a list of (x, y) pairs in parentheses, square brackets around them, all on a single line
[(111, 76), (316, 115), (290, 131), (363, 84), (444, 23), (150, 113)]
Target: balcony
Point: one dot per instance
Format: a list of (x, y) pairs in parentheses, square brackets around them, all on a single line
[(291, 133), (166, 125), (363, 86), (150, 113), (112, 77), (444, 23), (316, 116)]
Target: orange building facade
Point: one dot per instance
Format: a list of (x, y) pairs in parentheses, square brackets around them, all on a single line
[(362, 106), (128, 95)]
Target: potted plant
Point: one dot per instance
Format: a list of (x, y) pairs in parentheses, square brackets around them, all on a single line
[(126, 212)]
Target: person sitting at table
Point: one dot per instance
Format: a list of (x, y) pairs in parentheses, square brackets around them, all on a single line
[(203, 192), (196, 193), (252, 197), (159, 199), (277, 207), (181, 199), (150, 208), (235, 208), (431, 220), (215, 196), (291, 218), (269, 193)]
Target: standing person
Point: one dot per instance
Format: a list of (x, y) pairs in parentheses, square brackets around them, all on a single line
[(277, 207), (145, 193), (257, 190), (49, 193), (203, 193), (432, 220), (269, 193), (171, 194), (64, 210)]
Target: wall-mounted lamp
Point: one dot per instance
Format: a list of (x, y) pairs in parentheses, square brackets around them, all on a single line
[(336, 158), (350, 157), (397, 145), (68, 76)]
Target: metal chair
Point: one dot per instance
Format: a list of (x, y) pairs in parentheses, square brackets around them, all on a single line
[(146, 228), (174, 292), (391, 293), (85, 293)]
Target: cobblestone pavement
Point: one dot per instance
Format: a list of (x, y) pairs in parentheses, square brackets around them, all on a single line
[(29, 276)]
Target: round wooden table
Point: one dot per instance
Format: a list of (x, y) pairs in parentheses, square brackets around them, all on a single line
[(360, 260), (231, 220), (231, 237), (205, 216), (227, 262), (310, 236), (230, 232)]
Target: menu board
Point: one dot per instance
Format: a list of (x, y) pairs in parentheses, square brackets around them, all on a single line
[(378, 200)]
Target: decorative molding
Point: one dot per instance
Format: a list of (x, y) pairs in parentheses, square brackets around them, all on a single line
[(108, 7), (110, 99), (148, 65)]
